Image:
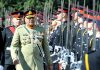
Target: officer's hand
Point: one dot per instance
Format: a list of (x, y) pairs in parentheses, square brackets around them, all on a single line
[(16, 61)]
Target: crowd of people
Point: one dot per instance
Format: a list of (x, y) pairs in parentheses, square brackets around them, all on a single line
[(25, 45)]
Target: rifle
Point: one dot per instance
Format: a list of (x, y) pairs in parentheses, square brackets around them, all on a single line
[(45, 21), (67, 36), (87, 33), (77, 28), (82, 36), (94, 28), (61, 36)]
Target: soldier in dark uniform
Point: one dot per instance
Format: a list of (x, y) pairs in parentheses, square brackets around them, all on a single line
[(97, 35), (1, 45), (7, 38), (79, 30), (57, 36), (88, 35), (91, 59)]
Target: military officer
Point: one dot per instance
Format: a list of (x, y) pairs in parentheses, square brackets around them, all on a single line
[(88, 35), (30, 45), (7, 38), (61, 17), (59, 24), (91, 59), (78, 29)]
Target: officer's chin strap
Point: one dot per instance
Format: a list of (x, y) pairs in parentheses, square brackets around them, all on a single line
[(1, 67)]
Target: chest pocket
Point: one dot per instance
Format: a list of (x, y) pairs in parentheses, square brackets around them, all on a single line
[(25, 39)]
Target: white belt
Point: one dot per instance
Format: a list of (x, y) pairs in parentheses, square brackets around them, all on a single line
[(1, 67), (8, 48)]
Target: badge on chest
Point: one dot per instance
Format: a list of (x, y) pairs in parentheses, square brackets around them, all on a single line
[(35, 37)]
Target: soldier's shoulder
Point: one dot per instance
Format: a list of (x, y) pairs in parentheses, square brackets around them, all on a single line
[(21, 26), (7, 28), (10, 26)]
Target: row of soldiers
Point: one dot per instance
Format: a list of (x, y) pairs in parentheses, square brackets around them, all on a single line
[(81, 35)]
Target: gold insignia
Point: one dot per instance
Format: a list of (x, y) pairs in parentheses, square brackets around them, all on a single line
[(30, 12)]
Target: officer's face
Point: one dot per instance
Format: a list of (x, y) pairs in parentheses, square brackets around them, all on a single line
[(30, 21), (90, 25), (85, 24), (80, 20), (75, 16), (61, 16), (16, 21)]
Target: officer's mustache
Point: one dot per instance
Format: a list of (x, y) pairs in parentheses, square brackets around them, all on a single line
[(32, 21)]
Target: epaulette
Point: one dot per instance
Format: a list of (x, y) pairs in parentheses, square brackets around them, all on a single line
[(78, 30), (9, 26), (84, 32), (21, 26), (63, 28), (91, 42)]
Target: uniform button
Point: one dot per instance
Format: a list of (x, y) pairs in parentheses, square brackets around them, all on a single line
[(85, 47), (73, 49), (79, 45), (77, 52), (83, 51), (9, 37), (78, 38), (97, 39), (85, 44), (40, 54)]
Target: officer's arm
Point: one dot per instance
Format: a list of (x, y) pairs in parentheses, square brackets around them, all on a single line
[(2, 45), (15, 45), (46, 49)]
